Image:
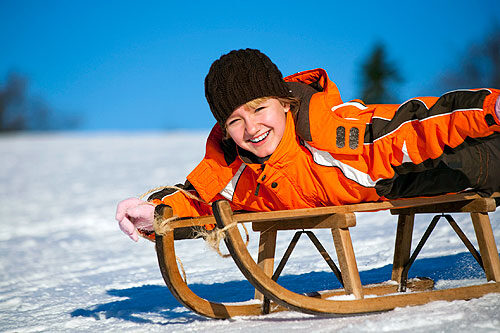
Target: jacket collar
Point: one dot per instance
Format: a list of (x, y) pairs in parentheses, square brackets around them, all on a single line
[(306, 84)]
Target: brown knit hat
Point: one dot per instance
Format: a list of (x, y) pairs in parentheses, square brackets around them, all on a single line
[(239, 77)]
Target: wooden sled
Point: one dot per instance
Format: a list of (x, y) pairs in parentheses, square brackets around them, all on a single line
[(339, 219)]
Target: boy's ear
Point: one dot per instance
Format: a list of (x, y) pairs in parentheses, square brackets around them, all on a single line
[(286, 106)]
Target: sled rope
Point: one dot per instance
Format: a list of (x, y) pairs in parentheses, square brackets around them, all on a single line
[(182, 269), (162, 226), (177, 188), (212, 237)]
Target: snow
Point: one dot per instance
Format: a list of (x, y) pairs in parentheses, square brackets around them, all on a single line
[(66, 267)]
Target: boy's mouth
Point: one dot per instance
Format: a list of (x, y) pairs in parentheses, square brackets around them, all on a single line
[(259, 138)]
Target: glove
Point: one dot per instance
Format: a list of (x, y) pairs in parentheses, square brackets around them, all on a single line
[(134, 213)]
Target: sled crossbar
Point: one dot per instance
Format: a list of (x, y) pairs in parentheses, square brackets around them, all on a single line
[(271, 297)]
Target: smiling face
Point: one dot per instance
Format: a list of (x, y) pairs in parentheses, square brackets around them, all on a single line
[(258, 129)]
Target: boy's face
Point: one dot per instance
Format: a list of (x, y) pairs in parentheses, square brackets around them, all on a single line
[(258, 130)]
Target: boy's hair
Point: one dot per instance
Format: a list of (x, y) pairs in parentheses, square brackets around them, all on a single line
[(294, 103), (239, 77)]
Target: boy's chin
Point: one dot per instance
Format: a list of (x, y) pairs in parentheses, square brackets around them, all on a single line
[(263, 152)]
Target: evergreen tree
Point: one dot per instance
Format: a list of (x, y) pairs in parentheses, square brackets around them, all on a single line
[(376, 77)]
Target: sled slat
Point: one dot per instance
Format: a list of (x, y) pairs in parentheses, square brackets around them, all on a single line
[(285, 216), (317, 222), (477, 206)]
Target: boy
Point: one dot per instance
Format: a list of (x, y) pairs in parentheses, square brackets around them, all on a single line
[(292, 143)]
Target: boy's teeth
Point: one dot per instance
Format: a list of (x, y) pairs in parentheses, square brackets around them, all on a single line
[(260, 138)]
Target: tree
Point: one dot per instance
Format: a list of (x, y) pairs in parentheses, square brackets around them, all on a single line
[(12, 104), (376, 77), (479, 66), (19, 111)]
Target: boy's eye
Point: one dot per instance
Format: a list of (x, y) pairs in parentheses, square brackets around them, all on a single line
[(260, 108), (232, 122)]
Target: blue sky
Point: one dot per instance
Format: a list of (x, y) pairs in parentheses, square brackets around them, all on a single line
[(140, 65)]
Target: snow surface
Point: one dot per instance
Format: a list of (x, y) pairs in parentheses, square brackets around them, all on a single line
[(65, 266)]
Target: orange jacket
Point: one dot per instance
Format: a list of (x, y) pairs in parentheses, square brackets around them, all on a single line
[(336, 153)]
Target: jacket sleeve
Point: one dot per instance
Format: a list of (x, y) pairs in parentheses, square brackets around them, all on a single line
[(184, 205), (181, 198)]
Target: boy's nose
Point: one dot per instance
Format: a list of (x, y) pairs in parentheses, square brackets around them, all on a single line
[(251, 127)]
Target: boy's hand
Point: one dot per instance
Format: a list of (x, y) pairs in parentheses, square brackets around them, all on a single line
[(134, 213)]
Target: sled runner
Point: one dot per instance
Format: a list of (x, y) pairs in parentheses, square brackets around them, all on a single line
[(398, 292)]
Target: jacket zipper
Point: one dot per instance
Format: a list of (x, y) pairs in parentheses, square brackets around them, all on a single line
[(257, 189), (262, 166)]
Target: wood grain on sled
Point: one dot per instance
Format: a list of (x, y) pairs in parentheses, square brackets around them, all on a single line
[(338, 219), (165, 250), (289, 215), (297, 302)]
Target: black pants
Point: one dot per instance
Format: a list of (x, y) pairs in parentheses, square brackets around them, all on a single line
[(475, 164)]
